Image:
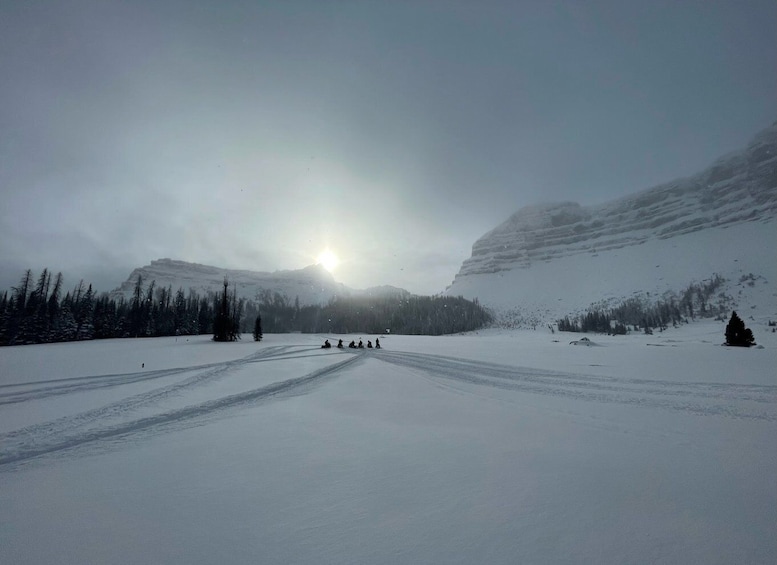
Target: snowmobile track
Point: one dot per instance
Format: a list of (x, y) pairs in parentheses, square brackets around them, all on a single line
[(39, 390), (754, 402), (90, 427)]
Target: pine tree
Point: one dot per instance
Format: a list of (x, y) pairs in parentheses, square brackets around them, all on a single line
[(53, 309), (17, 310), (226, 324), (84, 313), (258, 329), (737, 334), (136, 310), (179, 315), (149, 311), (6, 306), (221, 321), (66, 328)]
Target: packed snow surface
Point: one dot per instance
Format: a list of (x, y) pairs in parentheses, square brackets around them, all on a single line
[(498, 447)]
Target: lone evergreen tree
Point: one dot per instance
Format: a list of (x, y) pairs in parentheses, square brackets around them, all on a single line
[(737, 334), (227, 321), (258, 328)]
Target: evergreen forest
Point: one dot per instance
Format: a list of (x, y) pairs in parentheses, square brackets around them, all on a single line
[(697, 300), (42, 310)]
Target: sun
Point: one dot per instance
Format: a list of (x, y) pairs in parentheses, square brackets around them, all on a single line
[(328, 259)]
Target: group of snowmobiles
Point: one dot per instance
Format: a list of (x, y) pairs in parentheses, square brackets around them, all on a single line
[(352, 345)]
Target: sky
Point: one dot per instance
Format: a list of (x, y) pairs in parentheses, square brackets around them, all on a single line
[(254, 135)]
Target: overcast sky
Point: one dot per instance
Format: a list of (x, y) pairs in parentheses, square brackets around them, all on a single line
[(251, 135)]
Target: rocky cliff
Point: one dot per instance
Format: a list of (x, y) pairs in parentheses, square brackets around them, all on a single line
[(740, 187)]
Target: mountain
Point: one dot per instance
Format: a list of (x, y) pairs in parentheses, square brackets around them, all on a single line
[(550, 260), (311, 285)]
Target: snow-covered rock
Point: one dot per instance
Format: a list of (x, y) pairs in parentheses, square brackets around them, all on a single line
[(583, 341)]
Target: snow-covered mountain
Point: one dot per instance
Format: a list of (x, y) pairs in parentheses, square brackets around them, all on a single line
[(312, 285), (553, 259)]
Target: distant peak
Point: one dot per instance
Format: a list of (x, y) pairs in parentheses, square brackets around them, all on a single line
[(318, 271)]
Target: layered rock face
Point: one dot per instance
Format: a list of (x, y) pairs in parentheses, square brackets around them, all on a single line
[(741, 187)]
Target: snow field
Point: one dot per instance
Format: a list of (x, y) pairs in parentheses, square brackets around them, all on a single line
[(503, 447)]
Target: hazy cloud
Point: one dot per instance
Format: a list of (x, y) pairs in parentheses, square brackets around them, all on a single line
[(251, 134)]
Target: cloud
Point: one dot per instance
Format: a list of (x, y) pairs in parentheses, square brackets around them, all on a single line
[(252, 135)]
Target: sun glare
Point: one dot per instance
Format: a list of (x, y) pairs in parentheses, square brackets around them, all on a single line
[(328, 260)]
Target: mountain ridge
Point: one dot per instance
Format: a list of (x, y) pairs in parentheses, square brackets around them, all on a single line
[(657, 240), (311, 285), (741, 186)]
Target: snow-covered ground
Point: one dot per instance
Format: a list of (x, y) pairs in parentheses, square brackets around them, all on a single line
[(497, 447)]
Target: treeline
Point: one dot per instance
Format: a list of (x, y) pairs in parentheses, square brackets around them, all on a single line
[(594, 321), (641, 314), (409, 315), (39, 312), (42, 311)]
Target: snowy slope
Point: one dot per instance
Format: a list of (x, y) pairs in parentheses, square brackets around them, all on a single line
[(550, 260), (550, 289), (499, 448)]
